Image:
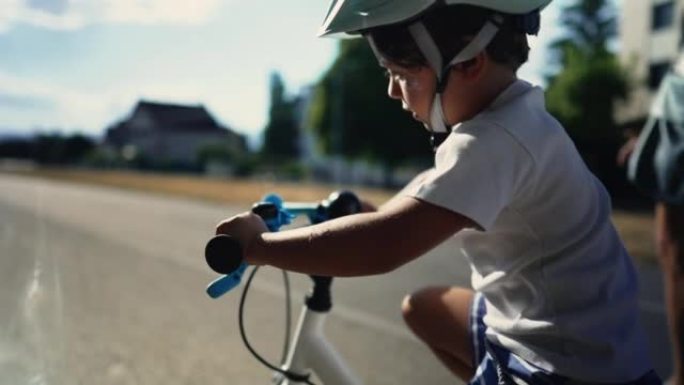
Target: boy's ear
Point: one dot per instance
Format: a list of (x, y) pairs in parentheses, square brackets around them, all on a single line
[(473, 68)]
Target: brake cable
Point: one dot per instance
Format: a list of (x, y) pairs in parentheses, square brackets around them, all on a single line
[(288, 374)]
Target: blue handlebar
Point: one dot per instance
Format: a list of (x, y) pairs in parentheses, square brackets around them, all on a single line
[(227, 282), (224, 253)]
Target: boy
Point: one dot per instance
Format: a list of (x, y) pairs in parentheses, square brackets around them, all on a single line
[(554, 295)]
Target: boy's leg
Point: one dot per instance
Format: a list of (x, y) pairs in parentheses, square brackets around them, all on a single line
[(439, 316), (670, 241)]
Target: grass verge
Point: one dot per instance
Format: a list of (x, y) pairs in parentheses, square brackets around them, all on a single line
[(212, 189)]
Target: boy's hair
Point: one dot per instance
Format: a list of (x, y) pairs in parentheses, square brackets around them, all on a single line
[(452, 28)]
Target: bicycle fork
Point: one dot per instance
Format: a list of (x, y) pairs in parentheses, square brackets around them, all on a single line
[(310, 350)]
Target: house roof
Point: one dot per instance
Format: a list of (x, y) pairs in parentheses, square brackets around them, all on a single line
[(178, 117)]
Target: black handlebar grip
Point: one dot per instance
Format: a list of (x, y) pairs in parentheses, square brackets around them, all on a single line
[(223, 254), (342, 203), (266, 210)]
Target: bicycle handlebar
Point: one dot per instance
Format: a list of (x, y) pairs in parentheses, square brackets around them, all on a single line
[(224, 254)]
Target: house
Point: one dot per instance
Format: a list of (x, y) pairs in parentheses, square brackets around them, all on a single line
[(170, 133), (651, 37)]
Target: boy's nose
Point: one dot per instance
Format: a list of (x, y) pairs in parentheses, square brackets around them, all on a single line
[(393, 90)]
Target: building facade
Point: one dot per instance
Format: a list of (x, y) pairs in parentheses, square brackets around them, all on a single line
[(651, 37), (170, 133)]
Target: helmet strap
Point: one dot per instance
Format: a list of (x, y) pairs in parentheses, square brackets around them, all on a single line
[(437, 118)]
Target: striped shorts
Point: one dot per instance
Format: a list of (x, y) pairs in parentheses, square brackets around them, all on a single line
[(495, 365)]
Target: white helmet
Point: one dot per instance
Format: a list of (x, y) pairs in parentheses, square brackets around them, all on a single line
[(351, 16), (355, 16)]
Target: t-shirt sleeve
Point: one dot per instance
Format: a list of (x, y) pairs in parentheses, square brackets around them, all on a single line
[(477, 172)]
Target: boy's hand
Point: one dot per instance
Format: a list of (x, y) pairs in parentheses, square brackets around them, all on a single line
[(367, 207), (245, 228)]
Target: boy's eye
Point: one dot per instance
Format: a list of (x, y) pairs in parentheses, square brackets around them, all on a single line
[(394, 76)]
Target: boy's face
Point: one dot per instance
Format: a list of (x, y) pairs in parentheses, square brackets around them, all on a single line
[(414, 87), (469, 90)]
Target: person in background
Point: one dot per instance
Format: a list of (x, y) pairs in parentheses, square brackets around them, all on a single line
[(656, 166)]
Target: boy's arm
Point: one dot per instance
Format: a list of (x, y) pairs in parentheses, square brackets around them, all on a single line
[(409, 186), (367, 207), (361, 244)]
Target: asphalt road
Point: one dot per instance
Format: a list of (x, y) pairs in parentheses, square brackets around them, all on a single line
[(105, 286)]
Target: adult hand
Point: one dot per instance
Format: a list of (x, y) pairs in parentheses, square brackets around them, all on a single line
[(626, 151)]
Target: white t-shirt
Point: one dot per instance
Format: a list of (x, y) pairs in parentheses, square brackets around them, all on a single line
[(559, 286)]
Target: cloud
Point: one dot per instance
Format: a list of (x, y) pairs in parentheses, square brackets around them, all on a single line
[(27, 104), (76, 14), (53, 6), (24, 102)]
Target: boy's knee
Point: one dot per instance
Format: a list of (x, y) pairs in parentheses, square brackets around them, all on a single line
[(408, 308), (415, 306)]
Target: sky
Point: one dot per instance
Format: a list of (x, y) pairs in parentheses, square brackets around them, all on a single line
[(82, 65)]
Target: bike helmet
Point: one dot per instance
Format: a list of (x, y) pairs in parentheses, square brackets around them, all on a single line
[(354, 17)]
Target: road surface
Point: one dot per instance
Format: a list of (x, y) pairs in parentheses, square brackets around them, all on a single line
[(106, 286)]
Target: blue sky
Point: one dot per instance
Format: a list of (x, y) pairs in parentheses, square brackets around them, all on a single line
[(80, 65)]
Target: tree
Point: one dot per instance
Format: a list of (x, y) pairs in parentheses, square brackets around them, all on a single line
[(591, 80), (589, 26), (77, 147), (18, 148), (354, 117), (281, 135), (583, 95), (54, 148)]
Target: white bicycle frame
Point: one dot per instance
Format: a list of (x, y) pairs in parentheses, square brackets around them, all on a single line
[(310, 350)]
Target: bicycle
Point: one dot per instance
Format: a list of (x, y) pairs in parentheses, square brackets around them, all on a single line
[(309, 351)]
